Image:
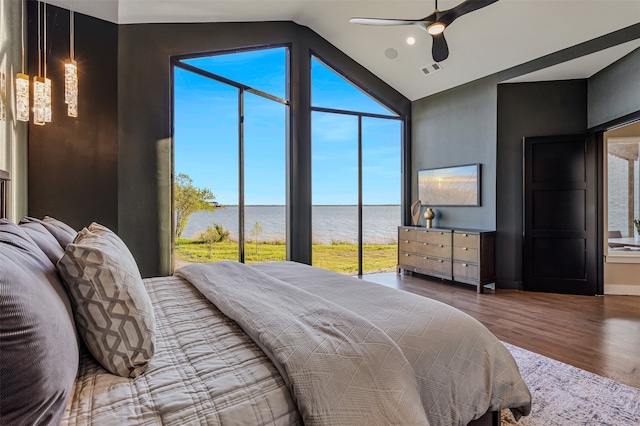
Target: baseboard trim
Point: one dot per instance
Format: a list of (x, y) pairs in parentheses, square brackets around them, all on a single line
[(622, 289)]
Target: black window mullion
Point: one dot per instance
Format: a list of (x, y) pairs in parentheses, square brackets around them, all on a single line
[(360, 269), (241, 175)]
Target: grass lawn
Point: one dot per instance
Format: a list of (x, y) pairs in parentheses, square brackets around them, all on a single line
[(341, 258)]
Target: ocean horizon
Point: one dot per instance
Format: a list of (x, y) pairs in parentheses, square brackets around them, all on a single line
[(330, 223)]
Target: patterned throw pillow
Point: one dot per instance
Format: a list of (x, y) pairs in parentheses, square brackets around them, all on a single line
[(113, 311)]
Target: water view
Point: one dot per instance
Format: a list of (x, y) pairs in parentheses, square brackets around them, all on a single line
[(331, 224)]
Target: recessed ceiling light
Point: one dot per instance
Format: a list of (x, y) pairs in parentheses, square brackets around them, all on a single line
[(411, 41)]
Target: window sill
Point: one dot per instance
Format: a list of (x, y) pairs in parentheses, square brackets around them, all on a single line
[(622, 257)]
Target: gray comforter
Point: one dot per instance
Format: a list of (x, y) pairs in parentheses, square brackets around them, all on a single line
[(315, 325), (341, 368)]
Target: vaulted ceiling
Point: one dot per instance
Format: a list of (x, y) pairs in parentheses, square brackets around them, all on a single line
[(499, 37)]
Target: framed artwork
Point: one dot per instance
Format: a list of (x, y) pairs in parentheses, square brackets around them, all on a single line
[(450, 186)]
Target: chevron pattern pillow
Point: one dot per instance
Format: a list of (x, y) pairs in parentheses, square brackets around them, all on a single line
[(112, 309)]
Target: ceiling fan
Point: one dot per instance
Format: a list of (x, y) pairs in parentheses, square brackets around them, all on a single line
[(434, 24)]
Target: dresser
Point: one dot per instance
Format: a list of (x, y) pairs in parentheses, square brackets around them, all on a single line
[(462, 255)]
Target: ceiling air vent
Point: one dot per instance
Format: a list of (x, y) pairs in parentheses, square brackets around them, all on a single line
[(430, 69)]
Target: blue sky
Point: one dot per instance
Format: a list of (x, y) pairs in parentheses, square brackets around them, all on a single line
[(206, 134)]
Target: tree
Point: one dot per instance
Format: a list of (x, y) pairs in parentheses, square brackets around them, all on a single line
[(188, 199), (210, 236), (255, 232), (214, 235)]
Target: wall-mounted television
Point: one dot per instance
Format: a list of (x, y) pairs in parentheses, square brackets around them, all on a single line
[(450, 186)]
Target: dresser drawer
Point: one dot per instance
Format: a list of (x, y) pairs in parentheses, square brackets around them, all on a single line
[(435, 237), (462, 239), (407, 245), (440, 267), (465, 254), (465, 271), (407, 234), (437, 250), (407, 259)]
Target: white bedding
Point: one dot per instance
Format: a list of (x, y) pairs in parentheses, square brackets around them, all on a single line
[(207, 370)]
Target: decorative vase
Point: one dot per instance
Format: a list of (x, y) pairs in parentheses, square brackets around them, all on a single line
[(428, 216)]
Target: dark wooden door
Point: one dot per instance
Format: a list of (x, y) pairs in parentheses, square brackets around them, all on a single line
[(560, 215)]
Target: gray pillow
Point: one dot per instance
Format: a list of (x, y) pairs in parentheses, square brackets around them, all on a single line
[(113, 311), (63, 233), (61, 225), (38, 345), (43, 238)]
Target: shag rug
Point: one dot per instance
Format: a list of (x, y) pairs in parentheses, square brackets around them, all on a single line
[(564, 395)]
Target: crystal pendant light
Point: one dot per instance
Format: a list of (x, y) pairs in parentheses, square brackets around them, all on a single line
[(22, 82), (38, 100), (71, 72), (42, 85), (47, 82)]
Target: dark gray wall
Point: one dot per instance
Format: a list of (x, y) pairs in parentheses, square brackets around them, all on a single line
[(453, 128), (144, 118), (73, 161), (527, 109), (615, 91)]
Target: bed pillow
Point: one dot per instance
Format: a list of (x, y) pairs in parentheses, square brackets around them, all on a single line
[(62, 232), (43, 238), (113, 311), (38, 344)]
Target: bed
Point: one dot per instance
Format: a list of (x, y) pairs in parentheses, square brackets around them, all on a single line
[(226, 343)]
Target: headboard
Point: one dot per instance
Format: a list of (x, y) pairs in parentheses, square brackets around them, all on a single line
[(4, 178)]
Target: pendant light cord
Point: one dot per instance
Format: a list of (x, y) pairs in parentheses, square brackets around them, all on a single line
[(45, 40), (22, 33), (71, 33)]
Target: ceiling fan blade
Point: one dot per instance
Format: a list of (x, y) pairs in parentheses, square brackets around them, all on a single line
[(463, 8), (439, 50), (384, 22)]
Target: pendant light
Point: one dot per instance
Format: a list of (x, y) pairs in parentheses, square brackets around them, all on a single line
[(71, 72), (22, 81), (39, 91), (47, 82)]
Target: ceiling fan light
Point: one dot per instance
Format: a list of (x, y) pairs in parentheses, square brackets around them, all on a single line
[(436, 28)]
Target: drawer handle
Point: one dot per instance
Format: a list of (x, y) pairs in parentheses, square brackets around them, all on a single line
[(465, 265), (464, 248), (425, 244), (440, 245), (407, 255), (406, 241), (465, 235), (440, 260)]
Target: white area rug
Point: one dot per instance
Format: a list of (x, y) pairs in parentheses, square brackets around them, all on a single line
[(565, 395)]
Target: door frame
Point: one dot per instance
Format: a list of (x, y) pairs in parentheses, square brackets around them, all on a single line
[(598, 132)]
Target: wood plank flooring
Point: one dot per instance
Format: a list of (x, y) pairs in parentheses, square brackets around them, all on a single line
[(600, 334)]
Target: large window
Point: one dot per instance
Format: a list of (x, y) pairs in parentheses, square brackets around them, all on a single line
[(623, 188), (230, 116), (356, 170)]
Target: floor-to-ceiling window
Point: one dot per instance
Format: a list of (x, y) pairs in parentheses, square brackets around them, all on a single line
[(230, 118), (356, 176)]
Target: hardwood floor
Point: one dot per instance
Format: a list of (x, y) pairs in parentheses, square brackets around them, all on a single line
[(600, 334)]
